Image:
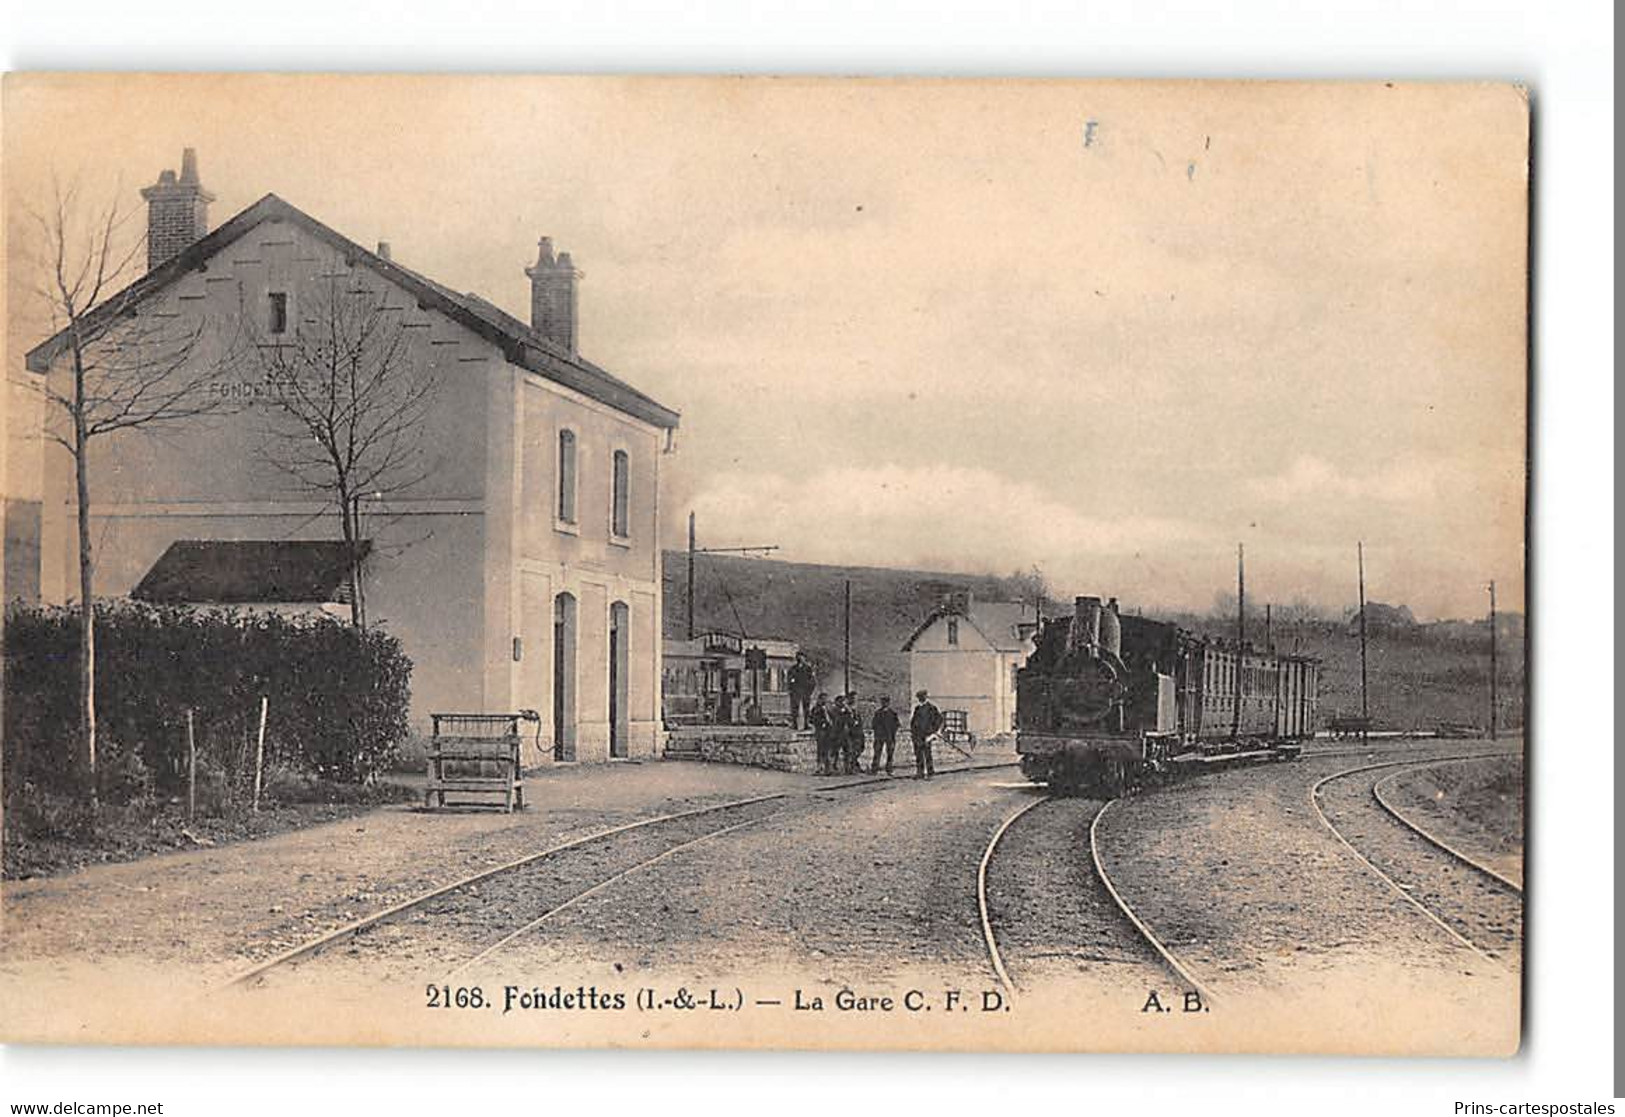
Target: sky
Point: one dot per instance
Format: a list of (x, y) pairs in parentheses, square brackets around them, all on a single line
[(1110, 330)]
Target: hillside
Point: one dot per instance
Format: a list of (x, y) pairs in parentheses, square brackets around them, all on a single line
[(1420, 674), (803, 602)]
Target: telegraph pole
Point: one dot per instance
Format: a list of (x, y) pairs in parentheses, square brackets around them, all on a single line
[(693, 550), (691, 575), (1493, 704), (1365, 708), (846, 641), (1241, 636)]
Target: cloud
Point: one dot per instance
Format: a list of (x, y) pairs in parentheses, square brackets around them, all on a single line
[(945, 517), (1311, 478)]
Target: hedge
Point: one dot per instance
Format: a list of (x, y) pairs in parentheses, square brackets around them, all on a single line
[(338, 697)]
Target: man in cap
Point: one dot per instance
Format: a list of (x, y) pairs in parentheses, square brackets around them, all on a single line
[(800, 681), (884, 726), (927, 720), (822, 723), (854, 736)]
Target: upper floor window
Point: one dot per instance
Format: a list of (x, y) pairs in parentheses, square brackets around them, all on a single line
[(953, 632), (620, 520), (567, 476), (278, 313)]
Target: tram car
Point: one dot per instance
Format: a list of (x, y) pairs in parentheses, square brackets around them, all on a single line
[(1106, 701), (719, 678)]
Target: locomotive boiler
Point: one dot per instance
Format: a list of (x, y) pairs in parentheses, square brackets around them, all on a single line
[(1106, 701)]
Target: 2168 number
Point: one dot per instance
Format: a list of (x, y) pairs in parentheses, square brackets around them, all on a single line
[(444, 996)]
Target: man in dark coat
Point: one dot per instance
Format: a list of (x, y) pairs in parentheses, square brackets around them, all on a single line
[(885, 730), (800, 681), (821, 721), (836, 750), (927, 720), (854, 737)]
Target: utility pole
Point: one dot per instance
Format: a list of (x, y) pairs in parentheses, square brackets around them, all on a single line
[(1365, 708), (1493, 696), (1275, 668), (1241, 636), (693, 550), (846, 641)]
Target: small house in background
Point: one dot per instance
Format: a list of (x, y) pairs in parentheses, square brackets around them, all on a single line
[(966, 655), (288, 576), (720, 678)]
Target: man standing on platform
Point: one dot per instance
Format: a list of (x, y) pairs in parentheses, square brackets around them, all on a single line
[(822, 723), (800, 681), (839, 716), (927, 720), (854, 736), (885, 730)]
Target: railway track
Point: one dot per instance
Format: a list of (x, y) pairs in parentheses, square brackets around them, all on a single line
[(1496, 929), (465, 922), (1428, 835), (1481, 911), (1114, 931), (457, 922)]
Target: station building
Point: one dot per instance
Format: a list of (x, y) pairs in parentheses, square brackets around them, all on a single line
[(521, 572)]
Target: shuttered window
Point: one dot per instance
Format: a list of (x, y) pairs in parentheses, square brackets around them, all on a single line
[(620, 511), (567, 476)]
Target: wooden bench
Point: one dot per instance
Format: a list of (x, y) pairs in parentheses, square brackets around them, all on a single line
[(1349, 725), (475, 754)]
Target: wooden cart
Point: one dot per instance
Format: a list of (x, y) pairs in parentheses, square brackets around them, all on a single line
[(475, 754)]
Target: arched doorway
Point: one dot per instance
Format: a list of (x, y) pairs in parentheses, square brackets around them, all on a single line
[(564, 677), (620, 632)]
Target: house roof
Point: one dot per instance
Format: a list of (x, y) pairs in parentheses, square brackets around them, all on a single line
[(997, 621), (249, 572), (520, 344)]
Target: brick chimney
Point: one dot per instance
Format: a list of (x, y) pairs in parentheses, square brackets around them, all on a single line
[(177, 211), (553, 295)]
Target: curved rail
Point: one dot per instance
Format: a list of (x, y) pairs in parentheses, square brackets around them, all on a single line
[(599, 887), (1429, 836), (981, 898), (320, 942), (1314, 801), (1139, 924), (355, 926)]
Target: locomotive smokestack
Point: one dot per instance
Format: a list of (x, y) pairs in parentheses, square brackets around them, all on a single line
[(1085, 632)]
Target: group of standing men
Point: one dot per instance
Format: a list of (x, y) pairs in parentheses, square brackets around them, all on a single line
[(838, 730), (838, 727)]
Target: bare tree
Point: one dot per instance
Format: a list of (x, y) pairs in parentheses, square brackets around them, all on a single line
[(348, 400), (1029, 585), (119, 368)]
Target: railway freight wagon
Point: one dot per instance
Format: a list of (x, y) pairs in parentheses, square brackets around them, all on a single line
[(1104, 700)]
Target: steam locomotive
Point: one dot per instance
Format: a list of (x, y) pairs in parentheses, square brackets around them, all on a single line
[(1106, 701)]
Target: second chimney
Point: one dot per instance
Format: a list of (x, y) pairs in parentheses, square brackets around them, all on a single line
[(177, 211), (553, 282)]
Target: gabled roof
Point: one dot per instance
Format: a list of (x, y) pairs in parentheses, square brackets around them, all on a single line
[(249, 572), (997, 621), (520, 344)]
